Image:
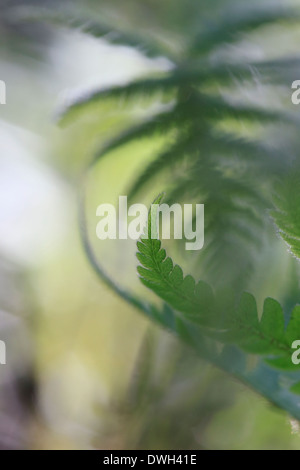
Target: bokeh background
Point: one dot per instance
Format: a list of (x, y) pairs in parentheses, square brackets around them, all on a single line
[(84, 369)]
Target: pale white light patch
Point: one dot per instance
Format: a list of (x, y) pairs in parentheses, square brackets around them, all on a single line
[(295, 426), (34, 202)]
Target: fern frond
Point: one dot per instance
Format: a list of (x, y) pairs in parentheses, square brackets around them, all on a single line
[(140, 88), (185, 146), (219, 145), (236, 324), (198, 112), (194, 103), (220, 108), (237, 21), (158, 124), (64, 17)]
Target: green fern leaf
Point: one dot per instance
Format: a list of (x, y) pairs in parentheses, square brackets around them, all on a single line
[(158, 272), (196, 301)]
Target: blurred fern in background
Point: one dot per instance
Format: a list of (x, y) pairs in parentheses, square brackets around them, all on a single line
[(221, 138)]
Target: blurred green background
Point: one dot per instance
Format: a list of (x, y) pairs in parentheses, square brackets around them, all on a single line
[(84, 369)]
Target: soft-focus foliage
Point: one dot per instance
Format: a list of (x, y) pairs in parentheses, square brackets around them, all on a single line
[(192, 99)]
